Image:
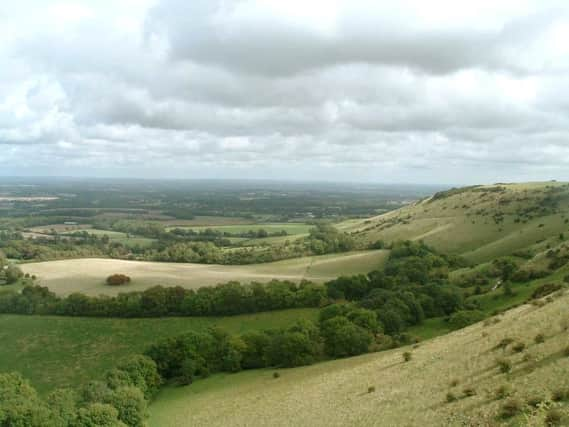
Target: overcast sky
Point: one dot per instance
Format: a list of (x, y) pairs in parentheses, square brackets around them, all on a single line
[(357, 90)]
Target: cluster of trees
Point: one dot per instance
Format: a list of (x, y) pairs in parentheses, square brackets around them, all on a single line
[(9, 273), (342, 330), (325, 239), (118, 280), (119, 399), (412, 286), (222, 300)]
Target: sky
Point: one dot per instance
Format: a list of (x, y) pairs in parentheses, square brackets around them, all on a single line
[(414, 91)]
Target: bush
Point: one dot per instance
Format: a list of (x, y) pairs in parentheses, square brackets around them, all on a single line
[(534, 401), (469, 391), (545, 289), (518, 347), (553, 418), (451, 397), (504, 343), (98, 414), (343, 338), (407, 356), (276, 375), (566, 351), (463, 318), (521, 276), (511, 408), (503, 391), (539, 338), (454, 382), (118, 280), (371, 389), (504, 365), (130, 404), (560, 395)]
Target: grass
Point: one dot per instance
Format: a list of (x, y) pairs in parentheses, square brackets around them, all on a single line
[(463, 223), (336, 393), (88, 275), (57, 351)]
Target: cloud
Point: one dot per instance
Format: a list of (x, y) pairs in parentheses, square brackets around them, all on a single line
[(413, 91)]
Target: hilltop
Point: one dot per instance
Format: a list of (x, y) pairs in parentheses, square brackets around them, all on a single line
[(450, 380), (478, 222)]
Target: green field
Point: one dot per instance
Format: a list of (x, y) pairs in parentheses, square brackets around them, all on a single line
[(57, 351), (88, 275), (336, 393)]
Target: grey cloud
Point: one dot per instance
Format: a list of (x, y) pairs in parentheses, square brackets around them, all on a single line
[(219, 33), (378, 95)]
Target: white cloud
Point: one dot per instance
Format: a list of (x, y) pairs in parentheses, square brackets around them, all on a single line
[(406, 91)]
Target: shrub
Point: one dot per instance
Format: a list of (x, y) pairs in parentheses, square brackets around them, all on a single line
[(534, 401), (276, 375), (554, 417), (510, 408), (503, 391), (130, 404), (407, 356), (504, 343), (451, 397), (454, 382), (518, 347), (521, 276), (545, 289), (118, 279), (371, 389), (463, 318), (560, 395), (504, 365), (566, 351), (539, 338), (564, 324), (469, 391)]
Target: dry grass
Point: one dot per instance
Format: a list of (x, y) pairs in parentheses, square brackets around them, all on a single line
[(414, 393), (88, 275), (463, 223)]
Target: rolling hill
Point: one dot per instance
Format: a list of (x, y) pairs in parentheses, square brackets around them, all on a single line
[(451, 380), (87, 275), (478, 222)]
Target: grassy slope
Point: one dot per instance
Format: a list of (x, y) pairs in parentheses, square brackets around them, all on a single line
[(57, 351), (88, 275), (463, 223), (413, 393)]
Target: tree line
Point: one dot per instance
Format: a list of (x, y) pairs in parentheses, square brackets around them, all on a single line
[(412, 286), (174, 246)]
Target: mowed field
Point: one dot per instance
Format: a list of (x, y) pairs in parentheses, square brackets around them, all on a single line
[(414, 393), (55, 351), (88, 275)]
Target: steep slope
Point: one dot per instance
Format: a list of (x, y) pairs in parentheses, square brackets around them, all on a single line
[(461, 365), (480, 222)]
